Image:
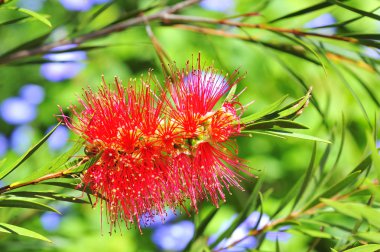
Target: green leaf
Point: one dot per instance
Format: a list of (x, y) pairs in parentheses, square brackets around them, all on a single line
[(288, 197), (12, 21), (314, 222), (280, 123), (365, 248), (33, 14), (369, 236), (370, 92), (342, 184), (12, 229), (6, 171), (231, 94), (374, 155), (295, 108), (363, 165), (309, 174), (264, 112), (287, 134), (361, 12), (304, 11), (313, 233), (342, 208), (200, 245), (26, 45), (250, 133), (200, 229), (46, 195), (26, 204), (59, 163)]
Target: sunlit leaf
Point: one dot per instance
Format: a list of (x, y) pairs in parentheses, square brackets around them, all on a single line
[(23, 158), (200, 228), (304, 11), (369, 236), (353, 9), (15, 230), (313, 233), (364, 248), (342, 208), (336, 188), (46, 195), (271, 108), (288, 134), (33, 14), (308, 175)]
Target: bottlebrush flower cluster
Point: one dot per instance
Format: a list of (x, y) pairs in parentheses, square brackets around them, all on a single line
[(160, 145)]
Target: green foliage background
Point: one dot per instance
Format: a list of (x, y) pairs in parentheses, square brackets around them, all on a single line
[(344, 88)]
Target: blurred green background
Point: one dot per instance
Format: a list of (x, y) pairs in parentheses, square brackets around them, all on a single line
[(349, 105)]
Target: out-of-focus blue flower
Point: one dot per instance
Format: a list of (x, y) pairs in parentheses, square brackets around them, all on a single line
[(240, 234), (21, 138), (32, 93), (80, 5), (174, 237), (50, 221), (154, 221), (226, 6), (59, 71), (279, 235), (100, 1), (59, 138), (3, 145), (33, 5), (15, 110), (76, 5), (372, 52), (323, 20), (211, 80)]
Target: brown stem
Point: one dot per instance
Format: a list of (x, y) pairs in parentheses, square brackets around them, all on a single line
[(59, 174), (99, 33)]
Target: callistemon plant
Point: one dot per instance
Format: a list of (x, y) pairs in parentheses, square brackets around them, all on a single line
[(160, 145)]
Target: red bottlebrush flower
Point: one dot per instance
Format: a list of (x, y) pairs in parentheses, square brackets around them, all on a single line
[(160, 150)]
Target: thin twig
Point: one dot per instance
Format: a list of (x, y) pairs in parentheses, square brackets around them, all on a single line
[(99, 33), (55, 175)]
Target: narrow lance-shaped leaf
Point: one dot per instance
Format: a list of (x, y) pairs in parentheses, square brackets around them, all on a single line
[(26, 204), (287, 134), (279, 123), (33, 14), (201, 228), (304, 11), (46, 195), (369, 236), (350, 179), (353, 9), (264, 112), (16, 230), (6, 171), (309, 174), (59, 163), (365, 248)]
